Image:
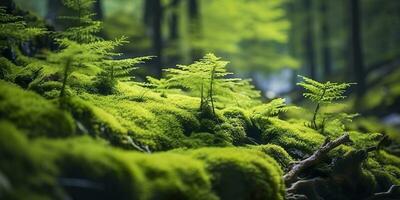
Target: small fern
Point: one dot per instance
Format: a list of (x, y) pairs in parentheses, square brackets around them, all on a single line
[(322, 93), (272, 108), (207, 79)]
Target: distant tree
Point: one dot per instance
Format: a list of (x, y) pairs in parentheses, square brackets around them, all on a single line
[(153, 17), (357, 58), (98, 10), (9, 5), (309, 39), (325, 37)]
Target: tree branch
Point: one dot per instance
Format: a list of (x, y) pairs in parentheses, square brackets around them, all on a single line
[(392, 194), (291, 176)]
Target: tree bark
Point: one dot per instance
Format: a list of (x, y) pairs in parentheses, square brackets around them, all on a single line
[(156, 33), (98, 10), (152, 19), (356, 47), (195, 27), (9, 5), (174, 21), (325, 32), (309, 40)]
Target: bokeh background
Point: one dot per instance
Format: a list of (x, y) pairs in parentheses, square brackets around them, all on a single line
[(270, 41)]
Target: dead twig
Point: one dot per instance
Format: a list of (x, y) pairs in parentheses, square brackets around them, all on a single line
[(315, 158)]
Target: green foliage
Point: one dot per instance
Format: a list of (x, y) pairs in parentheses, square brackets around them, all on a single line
[(206, 79), (13, 29), (114, 70), (259, 29), (324, 93), (84, 28), (271, 109)]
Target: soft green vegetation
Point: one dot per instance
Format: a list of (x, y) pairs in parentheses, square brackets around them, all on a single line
[(75, 124)]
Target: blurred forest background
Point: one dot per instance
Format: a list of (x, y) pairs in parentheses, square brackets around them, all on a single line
[(270, 41)]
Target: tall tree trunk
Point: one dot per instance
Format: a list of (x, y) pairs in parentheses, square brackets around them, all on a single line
[(9, 5), (157, 42), (326, 51), (152, 18), (98, 10), (309, 39), (54, 8), (174, 21), (356, 47), (173, 39), (195, 28)]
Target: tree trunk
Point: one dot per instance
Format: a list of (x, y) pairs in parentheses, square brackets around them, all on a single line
[(195, 28), (9, 5), (174, 34), (174, 21), (54, 8), (152, 18), (356, 47), (309, 39), (326, 51), (98, 10), (157, 42)]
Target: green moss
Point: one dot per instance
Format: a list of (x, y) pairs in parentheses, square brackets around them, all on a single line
[(242, 174), (90, 170), (94, 120), (373, 125), (6, 68), (297, 139), (25, 173), (204, 139), (276, 152), (385, 168), (33, 114), (173, 176), (364, 140)]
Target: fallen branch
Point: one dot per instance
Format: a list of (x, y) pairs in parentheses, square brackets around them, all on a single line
[(315, 158), (392, 194)]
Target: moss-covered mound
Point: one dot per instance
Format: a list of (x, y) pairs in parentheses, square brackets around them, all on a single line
[(242, 173), (32, 113), (82, 167)]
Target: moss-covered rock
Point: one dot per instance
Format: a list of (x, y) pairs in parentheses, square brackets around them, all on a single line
[(33, 114), (25, 173), (276, 152), (242, 174), (296, 138), (84, 168)]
